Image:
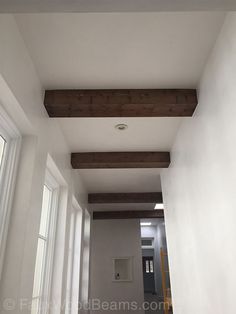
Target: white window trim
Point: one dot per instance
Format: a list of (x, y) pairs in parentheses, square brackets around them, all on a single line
[(70, 262), (85, 255), (74, 290), (10, 162), (79, 237), (51, 182), (46, 280)]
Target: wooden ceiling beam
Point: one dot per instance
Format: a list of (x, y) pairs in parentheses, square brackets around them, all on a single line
[(111, 198), (120, 160), (121, 103), (128, 214)]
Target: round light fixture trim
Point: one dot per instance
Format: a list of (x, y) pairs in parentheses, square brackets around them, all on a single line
[(121, 126)]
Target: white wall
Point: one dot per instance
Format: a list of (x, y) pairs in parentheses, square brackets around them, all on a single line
[(199, 191), (21, 94), (115, 238)]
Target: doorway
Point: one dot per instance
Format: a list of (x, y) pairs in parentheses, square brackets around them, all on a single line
[(155, 266), (148, 274)]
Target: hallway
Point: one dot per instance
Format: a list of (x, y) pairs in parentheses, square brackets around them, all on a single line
[(117, 156)]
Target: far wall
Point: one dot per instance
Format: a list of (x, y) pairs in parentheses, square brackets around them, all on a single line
[(115, 238)]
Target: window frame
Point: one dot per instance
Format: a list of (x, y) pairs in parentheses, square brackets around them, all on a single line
[(85, 277), (8, 172), (3, 158), (70, 261), (74, 259), (46, 279)]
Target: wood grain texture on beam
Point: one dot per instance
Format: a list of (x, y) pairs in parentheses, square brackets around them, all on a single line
[(110, 198), (121, 103), (120, 160), (128, 214)]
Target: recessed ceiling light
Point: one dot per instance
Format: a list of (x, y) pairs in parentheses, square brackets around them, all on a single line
[(145, 223), (121, 126), (159, 206)]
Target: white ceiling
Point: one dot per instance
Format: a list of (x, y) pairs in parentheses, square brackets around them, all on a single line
[(114, 5), (120, 50), (121, 180), (100, 134)]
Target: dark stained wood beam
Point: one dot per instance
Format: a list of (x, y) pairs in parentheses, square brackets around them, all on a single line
[(128, 214), (120, 160), (110, 198), (121, 103)]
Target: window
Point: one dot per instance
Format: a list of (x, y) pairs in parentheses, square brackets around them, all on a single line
[(45, 249), (70, 263), (147, 242), (9, 151), (2, 148), (149, 268), (85, 263), (74, 257)]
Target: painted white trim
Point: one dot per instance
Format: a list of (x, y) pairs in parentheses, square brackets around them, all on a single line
[(85, 268), (46, 279), (52, 184), (72, 294), (9, 170), (70, 261), (76, 258)]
